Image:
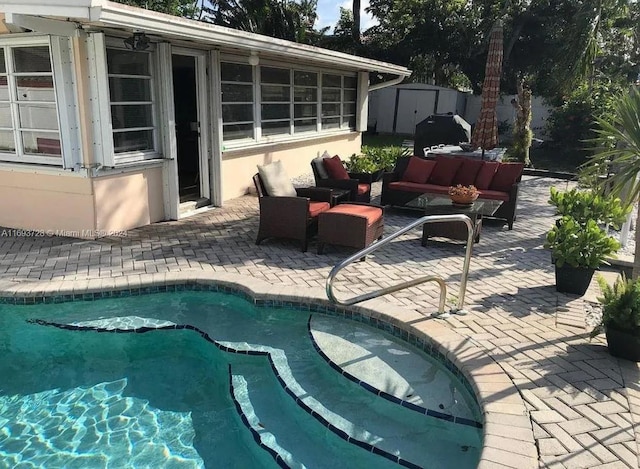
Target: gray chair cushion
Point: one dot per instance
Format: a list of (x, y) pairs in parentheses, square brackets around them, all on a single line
[(317, 163), (275, 180)]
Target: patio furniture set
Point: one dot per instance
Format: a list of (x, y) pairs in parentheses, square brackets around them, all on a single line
[(338, 208)]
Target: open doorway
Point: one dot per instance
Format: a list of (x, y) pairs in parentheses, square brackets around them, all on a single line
[(191, 170)]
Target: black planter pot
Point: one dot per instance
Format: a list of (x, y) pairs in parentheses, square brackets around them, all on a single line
[(623, 345), (574, 280)]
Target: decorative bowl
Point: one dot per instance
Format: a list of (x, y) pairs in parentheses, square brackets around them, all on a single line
[(466, 146), (463, 195)]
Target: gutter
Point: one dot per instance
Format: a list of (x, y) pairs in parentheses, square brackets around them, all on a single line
[(384, 84)]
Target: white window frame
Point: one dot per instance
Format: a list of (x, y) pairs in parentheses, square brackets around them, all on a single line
[(63, 80), (100, 89), (255, 78), (260, 139)]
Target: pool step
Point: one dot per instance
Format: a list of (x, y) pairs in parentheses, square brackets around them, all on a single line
[(240, 395), (300, 432)]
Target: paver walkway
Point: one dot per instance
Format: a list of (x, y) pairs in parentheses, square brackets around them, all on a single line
[(584, 405)]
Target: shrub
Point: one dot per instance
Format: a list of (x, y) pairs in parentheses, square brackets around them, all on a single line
[(580, 245), (571, 125), (620, 306), (589, 205)]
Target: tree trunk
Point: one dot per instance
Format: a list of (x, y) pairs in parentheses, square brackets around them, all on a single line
[(355, 31), (636, 254)]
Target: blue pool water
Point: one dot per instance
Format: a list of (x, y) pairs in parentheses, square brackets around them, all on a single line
[(169, 398)]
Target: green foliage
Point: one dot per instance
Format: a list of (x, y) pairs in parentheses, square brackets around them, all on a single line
[(361, 164), (375, 159), (589, 205), (572, 125), (185, 8), (580, 245), (618, 141), (620, 306), (284, 19)]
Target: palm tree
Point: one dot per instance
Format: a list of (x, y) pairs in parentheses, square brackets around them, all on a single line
[(619, 136), (355, 31)]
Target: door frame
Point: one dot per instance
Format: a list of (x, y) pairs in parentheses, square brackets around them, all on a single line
[(204, 147)]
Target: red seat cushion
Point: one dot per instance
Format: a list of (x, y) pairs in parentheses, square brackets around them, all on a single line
[(485, 175), (419, 188), (335, 168), (468, 171), (363, 189), (372, 214), (444, 171), (506, 176), (418, 170), (494, 195), (316, 208)]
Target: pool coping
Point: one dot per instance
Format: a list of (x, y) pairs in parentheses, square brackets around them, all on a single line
[(507, 433)]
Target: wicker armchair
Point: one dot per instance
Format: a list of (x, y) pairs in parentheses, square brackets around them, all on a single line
[(358, 183), (291, 217)]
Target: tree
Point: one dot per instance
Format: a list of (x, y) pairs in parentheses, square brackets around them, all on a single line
[(543, 39), (355, 27), (619, 138), (284, 19), (185, 8)]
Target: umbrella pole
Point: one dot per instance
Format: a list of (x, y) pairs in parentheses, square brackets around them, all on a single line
[(482, 157)]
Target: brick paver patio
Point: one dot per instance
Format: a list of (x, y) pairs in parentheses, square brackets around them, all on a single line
[(584, 405)]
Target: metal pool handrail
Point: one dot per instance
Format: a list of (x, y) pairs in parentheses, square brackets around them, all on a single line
[(411, 283)]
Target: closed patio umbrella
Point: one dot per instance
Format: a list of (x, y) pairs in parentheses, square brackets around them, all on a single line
[(485, 132)]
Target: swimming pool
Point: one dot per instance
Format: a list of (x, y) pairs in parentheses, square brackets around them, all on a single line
[(216, 382)]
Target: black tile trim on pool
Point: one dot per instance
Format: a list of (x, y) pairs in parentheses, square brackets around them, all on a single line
[(256, 436), (141, 330), (387, 396)]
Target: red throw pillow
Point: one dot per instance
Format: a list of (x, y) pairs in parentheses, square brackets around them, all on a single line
[(335, 168), (506, 176), (418, 170), (485, 175), (466, 175), (445, 170)]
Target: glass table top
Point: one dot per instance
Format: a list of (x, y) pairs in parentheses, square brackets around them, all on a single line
[(433, 204)]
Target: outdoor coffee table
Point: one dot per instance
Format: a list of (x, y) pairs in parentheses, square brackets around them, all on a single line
[(440, 205)]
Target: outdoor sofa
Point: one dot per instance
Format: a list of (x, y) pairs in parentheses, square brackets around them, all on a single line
[(416, 175)]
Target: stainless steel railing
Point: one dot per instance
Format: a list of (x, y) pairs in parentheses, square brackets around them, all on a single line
[(410, 283)]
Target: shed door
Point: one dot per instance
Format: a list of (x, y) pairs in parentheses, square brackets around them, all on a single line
[(413, 107)]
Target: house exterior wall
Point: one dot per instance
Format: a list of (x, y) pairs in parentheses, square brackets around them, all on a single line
[(128, 200), (90, 191), (238, 167), (51, 204)]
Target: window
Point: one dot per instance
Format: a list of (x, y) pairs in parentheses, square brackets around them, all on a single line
[(275, 91), (349, 97), (331, 101), (29, 128), (305, 98), (237, 101), (289, 101), (131, 100)]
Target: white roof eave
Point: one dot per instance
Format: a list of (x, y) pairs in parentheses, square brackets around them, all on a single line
[(115, 15)]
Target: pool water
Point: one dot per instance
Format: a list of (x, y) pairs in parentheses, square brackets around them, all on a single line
[(165, 398)]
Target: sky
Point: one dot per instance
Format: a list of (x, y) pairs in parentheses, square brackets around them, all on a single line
[(329, 12)]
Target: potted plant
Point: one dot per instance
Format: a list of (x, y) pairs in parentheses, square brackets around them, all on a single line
[(376, 160), (620, 317), (363, 164), (585, 205), (577, 250)]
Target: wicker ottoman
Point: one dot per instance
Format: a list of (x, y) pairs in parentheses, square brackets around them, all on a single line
[(351, 224)]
